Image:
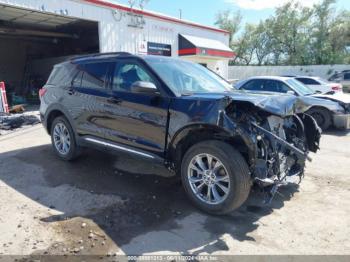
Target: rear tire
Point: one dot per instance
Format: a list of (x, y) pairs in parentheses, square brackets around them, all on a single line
[(63, 139), (227, 177), (322, 117)]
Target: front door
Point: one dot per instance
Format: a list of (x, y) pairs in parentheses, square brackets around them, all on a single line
[(138, 120)]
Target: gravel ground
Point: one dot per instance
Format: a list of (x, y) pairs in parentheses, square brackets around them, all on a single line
[(109, 205)]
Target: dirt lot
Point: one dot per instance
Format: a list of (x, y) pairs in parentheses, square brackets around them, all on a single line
[(95, 206)]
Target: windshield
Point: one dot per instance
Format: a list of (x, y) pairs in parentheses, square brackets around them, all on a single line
[(185, 77), (300, 88)]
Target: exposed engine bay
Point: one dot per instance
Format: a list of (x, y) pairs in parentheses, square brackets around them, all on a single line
[(282, 144)]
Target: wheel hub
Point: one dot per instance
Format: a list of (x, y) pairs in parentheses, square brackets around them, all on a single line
[(209, 177)]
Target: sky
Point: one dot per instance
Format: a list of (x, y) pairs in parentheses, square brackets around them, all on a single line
[(204, 11)]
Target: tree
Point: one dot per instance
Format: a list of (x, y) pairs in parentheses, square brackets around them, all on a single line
[(245, 46), (288, 30), (229, 21), (263, 44), (294, 35), (331, 33)]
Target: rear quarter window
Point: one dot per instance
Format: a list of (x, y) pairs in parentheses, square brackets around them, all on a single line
[(62, 75)]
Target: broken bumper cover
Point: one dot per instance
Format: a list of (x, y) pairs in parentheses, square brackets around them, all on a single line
[(290, 157), (341, 121)]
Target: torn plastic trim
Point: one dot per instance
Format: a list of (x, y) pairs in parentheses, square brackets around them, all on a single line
[(236, 130), (301, 154)]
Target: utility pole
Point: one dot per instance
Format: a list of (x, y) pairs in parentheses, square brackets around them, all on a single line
[(180, 13)]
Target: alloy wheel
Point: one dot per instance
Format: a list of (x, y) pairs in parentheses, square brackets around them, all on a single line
[(209, 179), (62, 139)]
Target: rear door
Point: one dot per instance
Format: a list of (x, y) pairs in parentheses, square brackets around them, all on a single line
[(133, 119), (88, 95)]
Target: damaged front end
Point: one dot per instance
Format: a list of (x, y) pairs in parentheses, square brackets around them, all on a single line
[(280, 145)]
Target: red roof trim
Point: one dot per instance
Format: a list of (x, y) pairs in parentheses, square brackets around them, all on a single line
[(189, 51), (165, 18)]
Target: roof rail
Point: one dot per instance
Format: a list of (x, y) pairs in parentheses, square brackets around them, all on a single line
[(98, 55)]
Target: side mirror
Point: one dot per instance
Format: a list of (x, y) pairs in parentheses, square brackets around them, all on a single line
[(142, 87), (291, 92)]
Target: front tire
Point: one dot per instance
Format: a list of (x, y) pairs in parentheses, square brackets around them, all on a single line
[(215, 177), (63, 139), (322, 117)]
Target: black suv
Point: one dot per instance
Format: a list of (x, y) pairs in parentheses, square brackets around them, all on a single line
[(220, 141)]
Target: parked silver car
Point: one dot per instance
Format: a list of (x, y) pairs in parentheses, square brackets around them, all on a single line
[(342, 78), (320, 85), (327, 109)]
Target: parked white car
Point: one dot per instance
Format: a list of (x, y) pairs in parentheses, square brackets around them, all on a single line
[(326, 109), (320, 85)]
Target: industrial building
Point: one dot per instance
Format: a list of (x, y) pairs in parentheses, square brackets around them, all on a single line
[(36, 34)]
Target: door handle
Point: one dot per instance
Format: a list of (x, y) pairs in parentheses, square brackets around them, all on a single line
[(114, 100)]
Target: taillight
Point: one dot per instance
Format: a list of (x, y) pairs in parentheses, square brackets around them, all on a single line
[(337, 88), (42, 92)]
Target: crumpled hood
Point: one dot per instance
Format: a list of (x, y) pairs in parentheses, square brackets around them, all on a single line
[(283, 104), (274, 103)]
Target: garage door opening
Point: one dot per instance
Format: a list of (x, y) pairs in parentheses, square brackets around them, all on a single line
[(32, 42)]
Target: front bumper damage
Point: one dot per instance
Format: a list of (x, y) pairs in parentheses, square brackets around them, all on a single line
[(278, 136), (279, 145), (283, 161)]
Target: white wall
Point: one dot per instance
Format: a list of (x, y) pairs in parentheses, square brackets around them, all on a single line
[(116, 35), (324, 71)]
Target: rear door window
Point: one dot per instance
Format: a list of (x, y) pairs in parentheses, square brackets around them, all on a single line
[(271, 86), (95, 75), (254, 85), (275, 86)]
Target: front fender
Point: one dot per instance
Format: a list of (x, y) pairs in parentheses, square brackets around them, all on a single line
[(224, 129)]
